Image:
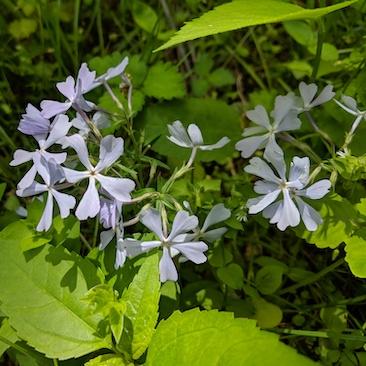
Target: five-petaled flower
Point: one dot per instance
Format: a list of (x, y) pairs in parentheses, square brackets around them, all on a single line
[(111, 148), (284, 212), (263, 135), (174, 243)]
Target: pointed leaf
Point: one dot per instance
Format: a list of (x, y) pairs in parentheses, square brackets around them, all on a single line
[(245, 13), (142, 298)]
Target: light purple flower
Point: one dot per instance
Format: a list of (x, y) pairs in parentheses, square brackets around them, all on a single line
[(284, 213), (263, 135), (99, 119), (51, 174), (74, 92), (217, 214), (111, 149), (59, 128), (33, 123), (192, 139), (111, 73), (173, 243)]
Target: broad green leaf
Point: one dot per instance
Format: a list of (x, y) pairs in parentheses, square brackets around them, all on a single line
[(335, 318), (144, 16), (269, 279), (356, 253), (299, 274), (40, 293), (142, 298), (217, 338), (219, 257), (107, 360), (164, 81), (245, 13), (339, 219), (221, 77), (232, 275), (214, 117)]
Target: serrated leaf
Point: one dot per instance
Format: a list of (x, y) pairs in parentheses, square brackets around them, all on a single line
[(216, 338), (339, 218), (245, 13), (164, 81), (40, 293), (214, 117), (142, 298)]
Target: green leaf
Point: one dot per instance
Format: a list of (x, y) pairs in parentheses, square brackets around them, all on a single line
[(339, 218), (164, 81), (107, 360), (245, 13), (144, 16), (40, 293), (221, 77), (2, 190), (7, 332), (268, 315), (23, 28), (142, 298), (217, 338), (232, 275), (268, 279), (214, 117), (335, 318), (356, 253)]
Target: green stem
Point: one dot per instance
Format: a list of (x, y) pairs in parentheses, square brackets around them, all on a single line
[(312, 279), (319, 47)]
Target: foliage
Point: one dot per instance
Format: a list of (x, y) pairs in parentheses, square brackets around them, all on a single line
[(196, 264)]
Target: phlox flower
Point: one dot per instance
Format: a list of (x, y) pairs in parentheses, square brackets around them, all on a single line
[(111, 73), (284, 212), (350, 106), (51, 174), (263, 135), (33, 123), (74, 92), (111, 148), (192, 139), (58, 130), (217, 214), (308, 92), (173, 243)]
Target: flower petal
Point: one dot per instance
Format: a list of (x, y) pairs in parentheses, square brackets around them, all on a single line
[(167, 268), (193, 251), (51, 108), (217, 214), (152, 220), (106, 237), (195, 135), (182, 223), (260, 168), (290, 214), (118, 188), (260, 203), (250, 145), (212, 235), (309, 215), (179, 135), (46, 219), (259, 116), (317, 190), (111, 148), (89, 205), (65, 202), (219, 144), (79, 145)]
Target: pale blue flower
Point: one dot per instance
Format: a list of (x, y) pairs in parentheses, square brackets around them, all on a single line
[(217, 214), (192, 139), (284, 212), (58, 130), (308, 92), (350, 106), (74, 92), (173, 243), (264, 135), (111, 148), (51, 174)]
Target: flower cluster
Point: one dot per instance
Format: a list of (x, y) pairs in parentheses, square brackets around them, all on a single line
[(60, 168), (283, 212)]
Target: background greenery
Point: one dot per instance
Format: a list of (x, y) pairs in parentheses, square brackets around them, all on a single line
[(293, 288)]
